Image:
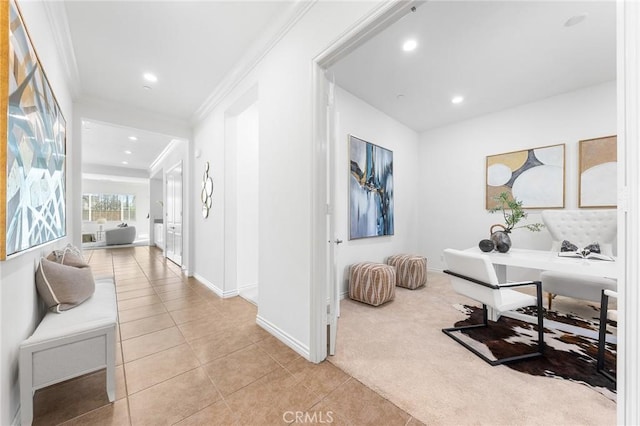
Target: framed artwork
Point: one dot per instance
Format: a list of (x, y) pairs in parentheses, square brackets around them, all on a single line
[(32, 143), (370, 190), (534, 176), (598, 172)]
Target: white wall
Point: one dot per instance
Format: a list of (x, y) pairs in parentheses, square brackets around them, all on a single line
[(19, 311), (247, 190), (284, 78), (362, 120), (141, 191), (452, 162)]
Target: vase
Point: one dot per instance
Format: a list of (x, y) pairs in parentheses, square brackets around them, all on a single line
[(501, 238)]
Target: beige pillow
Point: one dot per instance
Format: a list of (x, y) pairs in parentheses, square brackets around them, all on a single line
[(63, 287), (69, 255)]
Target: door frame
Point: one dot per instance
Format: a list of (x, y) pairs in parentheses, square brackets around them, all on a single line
[(170, 172), (377, 20)]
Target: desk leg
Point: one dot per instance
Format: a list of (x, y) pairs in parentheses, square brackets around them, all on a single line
[(501, 273)]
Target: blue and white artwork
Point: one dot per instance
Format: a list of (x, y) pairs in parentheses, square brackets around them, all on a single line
[(371, 190), (35, 149)]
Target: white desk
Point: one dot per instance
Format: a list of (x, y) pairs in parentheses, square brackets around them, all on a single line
[(546, 261), (549, 261)]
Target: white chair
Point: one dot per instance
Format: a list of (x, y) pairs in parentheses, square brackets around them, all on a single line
[(605, 314), (473, 276), (580, 227)]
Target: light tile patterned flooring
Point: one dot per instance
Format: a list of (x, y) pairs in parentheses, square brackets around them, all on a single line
[(187, 357)]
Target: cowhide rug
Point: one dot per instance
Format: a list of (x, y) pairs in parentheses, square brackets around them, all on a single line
[(567, 355)]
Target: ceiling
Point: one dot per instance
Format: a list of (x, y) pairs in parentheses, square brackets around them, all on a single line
[(105, 144), (495, 54), (190, 46)]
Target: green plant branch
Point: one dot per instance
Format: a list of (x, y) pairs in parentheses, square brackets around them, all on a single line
[(513, 213)]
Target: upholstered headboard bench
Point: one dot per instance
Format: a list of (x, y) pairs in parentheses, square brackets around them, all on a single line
[(69, 344)]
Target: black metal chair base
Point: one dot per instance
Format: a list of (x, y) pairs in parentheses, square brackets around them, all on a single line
[(604, 304), (540, 345)]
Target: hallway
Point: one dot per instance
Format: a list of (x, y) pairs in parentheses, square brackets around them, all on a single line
[(185, 356)]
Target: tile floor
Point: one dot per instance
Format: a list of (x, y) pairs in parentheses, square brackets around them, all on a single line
[(187, 357)]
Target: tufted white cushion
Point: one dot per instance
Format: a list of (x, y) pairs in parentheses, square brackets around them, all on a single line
[(582, 227)]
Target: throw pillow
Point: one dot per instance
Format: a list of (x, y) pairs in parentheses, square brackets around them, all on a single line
[(69, 255), (591, 248), (568, 246), (63, 287)]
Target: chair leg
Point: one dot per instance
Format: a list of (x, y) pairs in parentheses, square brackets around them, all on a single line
[(540, 318), (485, 323), (550, 297), (602, 335)]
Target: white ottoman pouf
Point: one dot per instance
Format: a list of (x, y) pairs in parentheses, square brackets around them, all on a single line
[(411, 270), (372, 283)]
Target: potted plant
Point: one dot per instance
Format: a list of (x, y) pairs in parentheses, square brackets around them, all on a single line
[(513, 213)]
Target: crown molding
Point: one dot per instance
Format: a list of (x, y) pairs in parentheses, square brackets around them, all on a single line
[(57, 17), (250, 60)]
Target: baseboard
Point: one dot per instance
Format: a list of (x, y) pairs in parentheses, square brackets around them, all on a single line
[(217, 290), (285, 338), (17, 419), (247, 287)]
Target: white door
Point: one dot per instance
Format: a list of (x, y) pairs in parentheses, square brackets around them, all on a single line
[(173, 242)]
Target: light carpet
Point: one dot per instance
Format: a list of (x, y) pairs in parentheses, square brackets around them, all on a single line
[(399, 350)]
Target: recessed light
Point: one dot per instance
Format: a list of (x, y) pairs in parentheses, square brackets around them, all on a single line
[(151, 78), (409, 45), (576, 19), (399, 96), (133, 138), (127, 152), (146, 87), (125, 162), (457, 100)]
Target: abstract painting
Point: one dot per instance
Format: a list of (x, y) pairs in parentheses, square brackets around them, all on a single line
[(534, 176), (598, 172), (370, 190), (33, 154)]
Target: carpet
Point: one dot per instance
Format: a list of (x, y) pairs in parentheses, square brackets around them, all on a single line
[(568, 355), (399, 350)]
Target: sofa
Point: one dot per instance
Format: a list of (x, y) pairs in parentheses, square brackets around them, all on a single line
[(120, 235)]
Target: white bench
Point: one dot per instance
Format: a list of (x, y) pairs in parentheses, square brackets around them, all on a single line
[(70, 344)]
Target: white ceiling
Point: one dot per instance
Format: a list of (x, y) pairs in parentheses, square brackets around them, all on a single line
[(189, 45), (105, 144), (495, 54)]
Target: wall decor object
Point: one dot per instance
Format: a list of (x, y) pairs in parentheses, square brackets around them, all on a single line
[(534, 176), (33, 154), (370, 190), (207, 191), (598, 172)]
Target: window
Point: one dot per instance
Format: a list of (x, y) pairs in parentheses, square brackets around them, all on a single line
[(113, 207)]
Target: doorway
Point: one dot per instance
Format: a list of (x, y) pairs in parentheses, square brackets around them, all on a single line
[(173, 243)]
